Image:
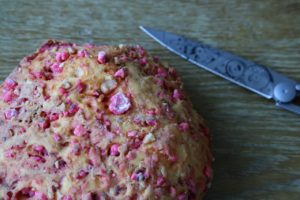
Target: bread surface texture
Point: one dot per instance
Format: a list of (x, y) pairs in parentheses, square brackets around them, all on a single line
[(99, 123)]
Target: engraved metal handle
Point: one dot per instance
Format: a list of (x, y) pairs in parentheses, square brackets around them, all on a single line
[(247, 74)]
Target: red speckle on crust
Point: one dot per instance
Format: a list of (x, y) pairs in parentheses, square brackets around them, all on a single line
[(31, 57), (119, 104)]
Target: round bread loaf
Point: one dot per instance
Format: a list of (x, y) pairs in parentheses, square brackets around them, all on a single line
[(99, 122)]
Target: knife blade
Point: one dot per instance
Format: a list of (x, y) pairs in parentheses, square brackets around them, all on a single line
[(254, 77)]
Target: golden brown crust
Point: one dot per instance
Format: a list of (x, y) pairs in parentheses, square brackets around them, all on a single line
[(99, 122)]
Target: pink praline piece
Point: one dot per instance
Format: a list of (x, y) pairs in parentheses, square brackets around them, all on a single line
[(114, 150), (183, 126), (101, 57), (119, 103), (120, 73), (79, 130), (56, 137), (62, 56), (10, 84)]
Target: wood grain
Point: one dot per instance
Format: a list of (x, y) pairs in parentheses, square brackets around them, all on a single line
[(256, 145)]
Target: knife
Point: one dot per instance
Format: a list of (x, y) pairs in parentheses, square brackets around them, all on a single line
[(254, 77)]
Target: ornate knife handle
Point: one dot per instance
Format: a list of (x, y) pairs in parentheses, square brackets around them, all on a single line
[(248, 74), (241, 71)]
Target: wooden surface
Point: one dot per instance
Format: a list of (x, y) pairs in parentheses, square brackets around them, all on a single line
[(256, 145)]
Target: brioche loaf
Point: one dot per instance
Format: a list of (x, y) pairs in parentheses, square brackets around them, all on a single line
[(99, 122)]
